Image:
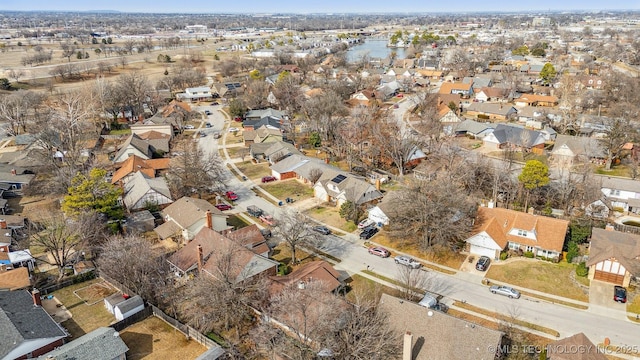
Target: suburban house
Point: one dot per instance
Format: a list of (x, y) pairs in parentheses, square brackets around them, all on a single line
[(187, 216), (516, 137), (134, 145), (27, 330), (277, 149), (622, 193), (430, 334), (614, 256), (134, 164), (473, 128), (380, 213), (491, 111), (365, 98), (201, 93), (338, 187), (255, 115), (320, 271), (123, 305), (490, 94), (215, 254), (461, 89), (267, 121), (499, 229), (103, 343), (569, 150), (141, 128), (584, 349), (536, 100), (16, 178), (251, 237), (159, 142), (300, 167), (142, 191)]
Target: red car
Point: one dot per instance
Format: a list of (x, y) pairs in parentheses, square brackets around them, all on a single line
[(379, 251), (266, 179), (267, 219), (237, 119), (230, 195), (223, 207)]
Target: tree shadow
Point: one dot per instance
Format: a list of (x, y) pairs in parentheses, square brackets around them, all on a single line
[(73, 328)]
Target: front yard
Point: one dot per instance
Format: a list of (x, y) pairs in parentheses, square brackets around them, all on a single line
[(556, 279), (289, 188), (254, 171), (438, 255), (330, 216), (87, 314)]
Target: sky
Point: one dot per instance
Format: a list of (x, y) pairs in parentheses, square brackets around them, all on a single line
[(314, 6)]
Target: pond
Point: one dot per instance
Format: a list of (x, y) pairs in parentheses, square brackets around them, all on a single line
[(631, 223), (374, 48)]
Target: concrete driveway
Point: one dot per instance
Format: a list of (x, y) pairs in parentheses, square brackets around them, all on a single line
[(601, 300)]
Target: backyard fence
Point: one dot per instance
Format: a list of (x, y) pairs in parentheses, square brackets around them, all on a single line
[(139, 316), (627, 228), (92, 274)]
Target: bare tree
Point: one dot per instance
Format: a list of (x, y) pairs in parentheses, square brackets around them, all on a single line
[(295, 229), (326, 114), (20, 108), (289, 95), (63, 240), (193, 171), (16, 74), (68, 50), (131, 261), (255, 96), (618, 133)]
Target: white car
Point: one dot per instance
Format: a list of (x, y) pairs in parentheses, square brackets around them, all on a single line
[(233, 129), (407, 261), (365, 223), (506, 291), (189, 127)]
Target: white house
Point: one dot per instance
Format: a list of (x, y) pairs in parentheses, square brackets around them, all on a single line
[(622, 193), (201, 93), (141, 191), (187, 216)]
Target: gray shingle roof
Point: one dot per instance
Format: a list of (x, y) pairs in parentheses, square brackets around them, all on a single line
[(187, 210), (100, 344), (624, 247), (139, 185), (21, 321), (518, 135), (130, 304)]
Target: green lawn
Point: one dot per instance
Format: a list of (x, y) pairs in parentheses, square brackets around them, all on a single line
[(289, 188), (85, 318), (618, 170), (254, 171), (237, 222), (541, 276)]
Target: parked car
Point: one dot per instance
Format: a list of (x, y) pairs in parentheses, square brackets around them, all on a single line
[(368, 233), (237, 119), (429, 301), (223, 207), (216, 135), (365, 223), (619, 294), (233, 129), (207, 112), (266, 179), (207, 124), (254, 210), (214, 103), (188, 127), (321, 229), (203, 134), (408, 261), (230, 195), (267, 219), (266, 233), (379, 251), (483, 263), (506, 291)]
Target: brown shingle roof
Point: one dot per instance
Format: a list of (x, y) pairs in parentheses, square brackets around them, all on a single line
[(135, 163), (447, 87), (561, 349), (15, 279), (251, 238), (623, 247), (187, 210), (550, 233), (446, 337), (316, 270)]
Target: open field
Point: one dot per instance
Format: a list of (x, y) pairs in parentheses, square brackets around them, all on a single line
[(254, 171), (152, 339), (539, 275)]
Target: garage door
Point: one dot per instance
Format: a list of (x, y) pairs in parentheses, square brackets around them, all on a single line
[(479, 250), (608, 277)]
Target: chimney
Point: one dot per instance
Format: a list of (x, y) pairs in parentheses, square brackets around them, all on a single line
[(200, 258), (3, 268), (407, 346), (35, 294), (490, 205), (3, 224), (209, 219), (378, 184)]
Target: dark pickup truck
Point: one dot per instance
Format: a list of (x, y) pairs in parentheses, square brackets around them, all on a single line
[(254, 211)]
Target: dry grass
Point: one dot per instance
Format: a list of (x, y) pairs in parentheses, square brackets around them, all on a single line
[(362, 285), (289, 188), (282, 254), (236, 152), (95, 292), (85, 318), (541, 276), (254, 171), (331, 216), (438, 255), (152, 339)]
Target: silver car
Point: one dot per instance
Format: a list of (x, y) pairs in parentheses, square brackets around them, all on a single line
[(407, 261), (506, 291)]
